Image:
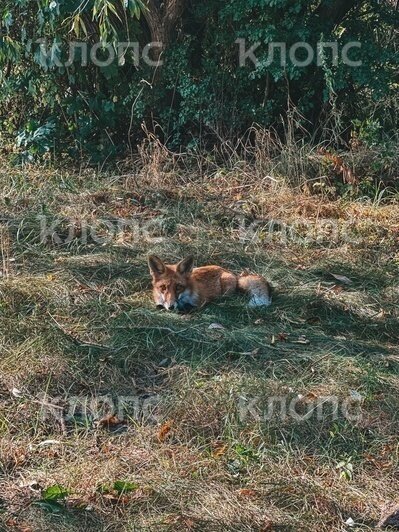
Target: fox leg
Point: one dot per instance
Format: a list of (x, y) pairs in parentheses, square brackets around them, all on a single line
[(258, 289)]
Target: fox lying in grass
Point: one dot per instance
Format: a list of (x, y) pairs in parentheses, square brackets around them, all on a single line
[(182, 287)]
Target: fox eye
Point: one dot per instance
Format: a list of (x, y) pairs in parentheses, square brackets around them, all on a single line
[(163, 288), (179, 288)]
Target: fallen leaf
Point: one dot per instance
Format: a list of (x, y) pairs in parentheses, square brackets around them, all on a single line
[(109, 421), (302, 340), (342, 278), (48, 442), (19, 457), (164, 431), (310, 396), (337, 289), (216, 326), (220, 450)]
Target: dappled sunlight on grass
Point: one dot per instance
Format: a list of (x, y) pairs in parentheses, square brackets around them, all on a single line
[(77, 320)]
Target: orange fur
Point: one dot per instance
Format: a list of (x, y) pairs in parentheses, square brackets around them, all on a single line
[(184, 287)]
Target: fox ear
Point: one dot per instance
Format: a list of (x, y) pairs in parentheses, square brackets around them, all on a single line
[(185, 266), (157, 267)]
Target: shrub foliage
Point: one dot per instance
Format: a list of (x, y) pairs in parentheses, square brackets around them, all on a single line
[(201, 93)]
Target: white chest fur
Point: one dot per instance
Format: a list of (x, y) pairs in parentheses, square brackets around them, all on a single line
[(187, 298)]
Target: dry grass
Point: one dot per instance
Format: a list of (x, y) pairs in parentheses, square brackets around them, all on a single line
[(77, 321)]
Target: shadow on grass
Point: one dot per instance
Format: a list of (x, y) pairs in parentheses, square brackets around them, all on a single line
[(301, 324), (121, 264)]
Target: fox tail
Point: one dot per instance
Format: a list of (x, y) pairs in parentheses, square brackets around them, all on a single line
[(258, 289)]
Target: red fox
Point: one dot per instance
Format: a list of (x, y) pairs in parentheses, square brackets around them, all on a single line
[(182, 287)]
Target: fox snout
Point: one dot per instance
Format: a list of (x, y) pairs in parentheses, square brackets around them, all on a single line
[(167, 306), (165, 296)]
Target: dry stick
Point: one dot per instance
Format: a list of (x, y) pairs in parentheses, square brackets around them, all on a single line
[(132, 115), (5, 250)]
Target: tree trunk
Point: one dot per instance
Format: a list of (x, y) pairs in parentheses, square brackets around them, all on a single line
[(161, 18)]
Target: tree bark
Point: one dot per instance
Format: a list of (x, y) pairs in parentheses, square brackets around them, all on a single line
[(161, 17)]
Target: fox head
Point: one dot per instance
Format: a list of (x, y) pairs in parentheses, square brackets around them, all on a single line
[(170, 281)]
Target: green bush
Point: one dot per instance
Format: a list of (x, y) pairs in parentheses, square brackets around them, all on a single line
[(201, 94)]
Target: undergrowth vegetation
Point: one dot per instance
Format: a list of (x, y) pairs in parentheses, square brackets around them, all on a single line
[(56, 102), (117, 416)]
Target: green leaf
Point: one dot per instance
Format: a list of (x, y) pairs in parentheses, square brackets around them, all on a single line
[(123, 487), (53, 493)]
